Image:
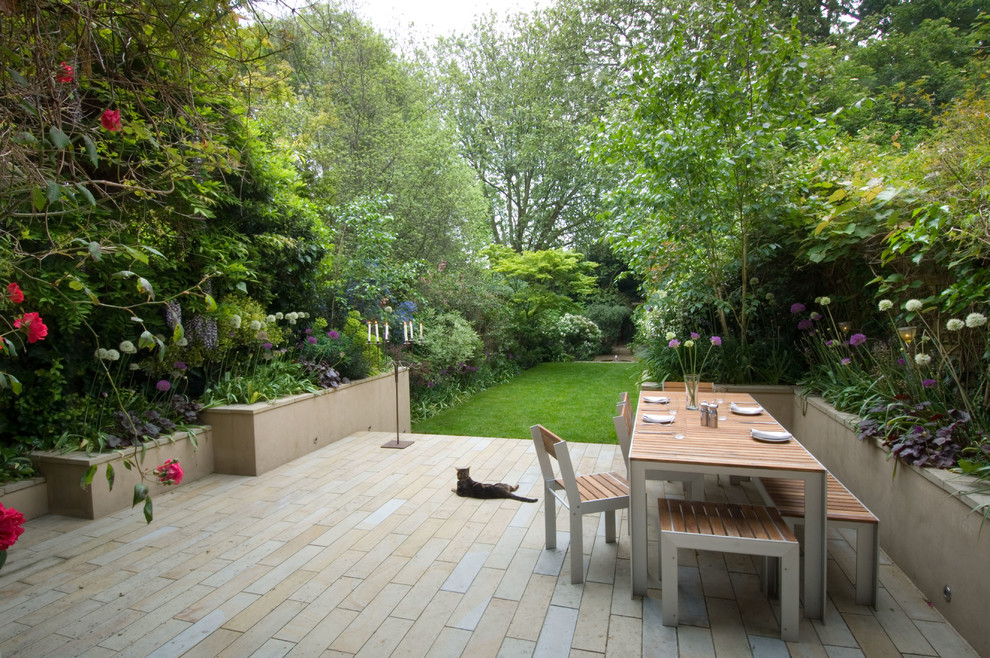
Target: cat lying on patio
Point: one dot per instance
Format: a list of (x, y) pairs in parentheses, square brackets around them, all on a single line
[(468, 488)]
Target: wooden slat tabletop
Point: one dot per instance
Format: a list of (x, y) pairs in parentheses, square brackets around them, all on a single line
[(729, 444)]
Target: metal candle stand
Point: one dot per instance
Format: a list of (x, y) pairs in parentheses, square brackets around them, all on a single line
[(396, 352)]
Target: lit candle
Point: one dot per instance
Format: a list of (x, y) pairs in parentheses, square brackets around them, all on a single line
[(405, 332), (386, 332), (369, 331), (376, 331), (421, 331)]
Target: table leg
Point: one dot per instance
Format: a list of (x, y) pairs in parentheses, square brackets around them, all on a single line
[(815, 545), (637, 526)]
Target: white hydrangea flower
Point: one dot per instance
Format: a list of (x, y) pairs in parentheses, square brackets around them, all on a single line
[(885, 305), (974, 320), (235, 321), (922, 359), (254, 326), (913, 305), (127, 347), (279, 316), (270, 318), (954, 324)]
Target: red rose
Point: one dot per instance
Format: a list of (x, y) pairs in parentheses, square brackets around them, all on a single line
[(170, 472), (36, 329), (10, 526), (14, 292), (111, 120), (65, 74)]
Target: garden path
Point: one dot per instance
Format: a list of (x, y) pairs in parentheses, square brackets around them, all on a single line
[(355, 550)]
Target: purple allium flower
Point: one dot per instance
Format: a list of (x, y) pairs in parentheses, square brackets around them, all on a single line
[(163, 385), (430, 384), (816, 316), (309, 331), (311, 340), (674, 343), (857, 339), (716, 341), (179, 365), (333, 335), (695, 335), (267, 346), (805, 325), (928, 383), (846, 361), (797, 307), (829, 343), (901, 362)]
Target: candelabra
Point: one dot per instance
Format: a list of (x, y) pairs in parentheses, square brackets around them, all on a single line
[(395, 351)]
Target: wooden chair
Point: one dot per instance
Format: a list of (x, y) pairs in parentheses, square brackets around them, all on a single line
[(693, 483), (703, 387), (844, 509), (729, 528), (580, 494)]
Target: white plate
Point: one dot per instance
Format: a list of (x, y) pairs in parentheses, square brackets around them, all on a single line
[(770, 437), (655, 400), (746, 411), (664, 419)]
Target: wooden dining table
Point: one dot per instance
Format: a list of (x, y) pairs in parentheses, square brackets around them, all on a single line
[(685, 446)]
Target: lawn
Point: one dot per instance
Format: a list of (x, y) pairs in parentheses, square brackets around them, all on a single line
[(574, 400)]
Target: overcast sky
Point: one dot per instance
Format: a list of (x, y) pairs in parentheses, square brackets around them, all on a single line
[(430, 18)]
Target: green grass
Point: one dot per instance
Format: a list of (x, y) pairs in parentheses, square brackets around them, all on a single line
[(574, 400)]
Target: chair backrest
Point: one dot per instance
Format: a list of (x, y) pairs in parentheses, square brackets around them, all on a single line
[(550, 445), (623, 429), (703, 387)]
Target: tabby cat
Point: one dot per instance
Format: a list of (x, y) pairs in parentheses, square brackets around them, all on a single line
[(468, 488)]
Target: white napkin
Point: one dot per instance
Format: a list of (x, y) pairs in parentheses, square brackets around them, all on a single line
[(655, 400), (767, 435), (662, 418), (746, 411)]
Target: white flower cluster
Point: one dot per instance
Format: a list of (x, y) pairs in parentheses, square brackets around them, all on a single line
[(974, 320), (107, 355), (955, 324), (913, 305), (922, 359), (823, 301), (885, 304), (127, 347)]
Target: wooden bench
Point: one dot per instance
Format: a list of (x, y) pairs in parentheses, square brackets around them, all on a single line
[(844, 509), (730, 528)]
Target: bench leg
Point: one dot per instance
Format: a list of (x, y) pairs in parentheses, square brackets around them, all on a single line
[(694, 488), (610, 527), (577, 549), (550, 517), (668, 577), (790, 576), (867, 564)]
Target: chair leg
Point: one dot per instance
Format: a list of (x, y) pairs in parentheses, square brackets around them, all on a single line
[(610, 526), (577, 549), (789, 583), (867, 564), (550, 517), (694, 488), (668, 592)]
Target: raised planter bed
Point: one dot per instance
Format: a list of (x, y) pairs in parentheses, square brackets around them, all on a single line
[(64, 471), (927, 525), (250, 439), (29, 497)]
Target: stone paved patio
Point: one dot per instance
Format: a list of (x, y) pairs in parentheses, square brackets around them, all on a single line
[(356, 550)]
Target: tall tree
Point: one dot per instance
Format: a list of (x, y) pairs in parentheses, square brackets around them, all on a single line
[(520, 100)]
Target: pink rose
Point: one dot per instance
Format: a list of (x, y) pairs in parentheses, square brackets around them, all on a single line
[(110, 120), (36, 329), (10, 526), (170, 472)]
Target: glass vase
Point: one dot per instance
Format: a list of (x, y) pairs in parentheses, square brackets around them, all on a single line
[(691, 390)]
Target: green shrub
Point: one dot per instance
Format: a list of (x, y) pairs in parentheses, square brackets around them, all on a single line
[(610, 318)]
